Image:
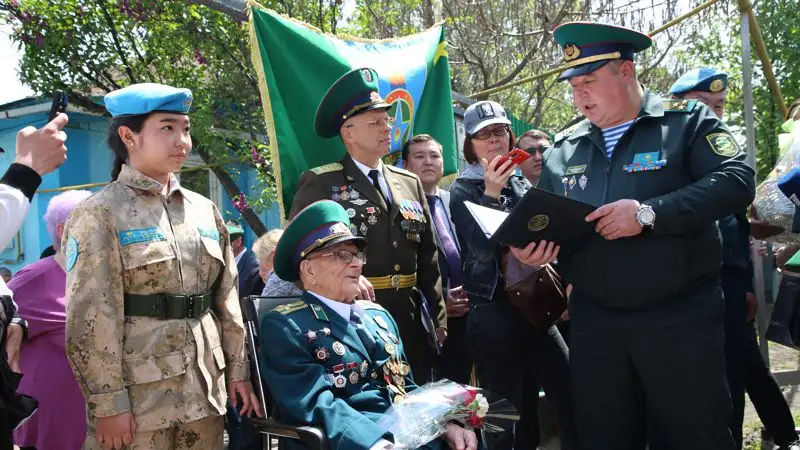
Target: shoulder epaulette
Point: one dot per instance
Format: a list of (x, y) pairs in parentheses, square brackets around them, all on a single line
[(561, 135), (679, 105), (327, 168), (288, 308), (366, 304), (401, 171)]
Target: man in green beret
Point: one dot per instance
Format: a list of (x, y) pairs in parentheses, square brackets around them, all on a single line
[(385, 204), (330, 361), (646, 307)]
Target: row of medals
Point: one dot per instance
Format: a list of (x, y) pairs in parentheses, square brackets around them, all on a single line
[(394, 370), (413, 220), (348, 194)]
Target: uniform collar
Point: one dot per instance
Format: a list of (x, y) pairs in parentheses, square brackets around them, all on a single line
[(365, 169), (137, 180), (342, 309), (652, 106)]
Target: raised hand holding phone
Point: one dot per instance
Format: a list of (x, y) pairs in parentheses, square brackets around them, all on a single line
[(44, 150), (496, 174)]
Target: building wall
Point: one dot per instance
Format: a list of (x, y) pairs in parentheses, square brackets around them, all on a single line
[(88, 161)]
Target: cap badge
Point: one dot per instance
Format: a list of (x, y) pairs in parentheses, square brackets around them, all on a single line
[(486, 110), (716, 86), (571, 52), (339, 227), (367, 75), (375, 97)]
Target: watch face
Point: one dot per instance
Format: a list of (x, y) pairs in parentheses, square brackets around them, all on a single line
[(647, 216)]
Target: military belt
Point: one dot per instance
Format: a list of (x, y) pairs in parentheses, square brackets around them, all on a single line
[(394, 281), (168, 306)]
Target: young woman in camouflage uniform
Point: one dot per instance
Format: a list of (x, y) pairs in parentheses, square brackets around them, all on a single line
[(154, 330)]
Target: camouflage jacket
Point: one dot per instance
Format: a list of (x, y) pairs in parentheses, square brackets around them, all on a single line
[(131, 239)]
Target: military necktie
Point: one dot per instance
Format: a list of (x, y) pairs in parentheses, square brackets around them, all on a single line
[(373, 175)]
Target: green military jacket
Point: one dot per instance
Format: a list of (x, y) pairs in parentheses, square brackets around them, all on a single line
[(677, 157), (322, 373), (402, 249)]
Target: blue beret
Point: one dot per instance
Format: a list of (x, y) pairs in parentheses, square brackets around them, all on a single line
[(789, 184), (702, 79), (145, 98)]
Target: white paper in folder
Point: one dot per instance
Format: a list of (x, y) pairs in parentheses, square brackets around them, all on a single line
[(488, 219)]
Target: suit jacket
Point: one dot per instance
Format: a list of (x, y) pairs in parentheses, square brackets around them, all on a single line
[(391, 250), (250, 282), (310, 347), (445, 197)]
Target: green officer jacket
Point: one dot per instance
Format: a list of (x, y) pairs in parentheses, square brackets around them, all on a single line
[(321, 373), (392, 248), (679, 158)]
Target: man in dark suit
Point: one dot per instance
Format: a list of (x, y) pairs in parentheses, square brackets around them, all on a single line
[(422, 155), (250, 282), (385, 204)]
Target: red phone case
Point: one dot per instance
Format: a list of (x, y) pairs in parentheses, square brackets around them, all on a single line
[(517, 157)]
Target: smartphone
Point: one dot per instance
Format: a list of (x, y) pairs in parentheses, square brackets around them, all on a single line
[(59, 105), (517, 157)]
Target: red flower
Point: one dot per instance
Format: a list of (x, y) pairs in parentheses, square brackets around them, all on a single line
[(471, 394), (474, 421)]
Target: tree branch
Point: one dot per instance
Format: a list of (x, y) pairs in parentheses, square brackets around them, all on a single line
[(139, 56), (508, 78), (115, 38)]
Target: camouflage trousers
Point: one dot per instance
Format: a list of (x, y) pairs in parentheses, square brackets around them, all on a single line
[(203, 434)]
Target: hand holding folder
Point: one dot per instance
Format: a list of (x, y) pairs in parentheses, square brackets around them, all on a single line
[(538, 216)]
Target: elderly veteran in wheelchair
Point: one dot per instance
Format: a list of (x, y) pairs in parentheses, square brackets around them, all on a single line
[(329, 360)]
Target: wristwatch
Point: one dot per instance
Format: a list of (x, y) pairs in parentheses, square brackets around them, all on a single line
[(646, 217)]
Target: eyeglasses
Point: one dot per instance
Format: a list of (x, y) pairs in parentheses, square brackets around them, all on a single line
[(534, 149), (376, 124), (346, 256), (487, 133)]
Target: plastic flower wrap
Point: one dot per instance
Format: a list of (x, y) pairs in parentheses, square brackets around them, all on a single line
[(423, 414), (772, 205)]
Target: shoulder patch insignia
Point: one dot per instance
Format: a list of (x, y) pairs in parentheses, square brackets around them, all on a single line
[(71, 254), (723, 144), (327, 168), (678, 105), (289, 308)]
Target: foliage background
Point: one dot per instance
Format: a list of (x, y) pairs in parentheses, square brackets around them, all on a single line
[(90, 47)]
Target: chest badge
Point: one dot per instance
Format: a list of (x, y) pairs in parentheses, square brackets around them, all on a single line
[(338, 348), (643, 162), (321, 354), (583, 181)]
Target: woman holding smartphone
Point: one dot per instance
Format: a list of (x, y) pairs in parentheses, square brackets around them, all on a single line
[(154, 331), (512, 358)]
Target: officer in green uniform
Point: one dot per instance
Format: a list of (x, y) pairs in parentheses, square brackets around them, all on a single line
[(331, 361), (385, 204), (646, 307)]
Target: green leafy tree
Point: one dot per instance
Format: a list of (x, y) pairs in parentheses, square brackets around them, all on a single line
[(91, 47)]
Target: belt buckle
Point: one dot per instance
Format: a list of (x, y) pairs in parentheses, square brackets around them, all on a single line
[(394, 280), (190, 302)]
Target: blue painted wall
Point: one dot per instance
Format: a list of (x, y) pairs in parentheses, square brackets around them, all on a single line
[(88, 161)]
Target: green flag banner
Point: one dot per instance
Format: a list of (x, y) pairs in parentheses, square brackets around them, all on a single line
[(296, 64)]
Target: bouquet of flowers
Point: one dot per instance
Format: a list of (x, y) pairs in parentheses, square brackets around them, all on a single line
[(423, 414), (772, 206)]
